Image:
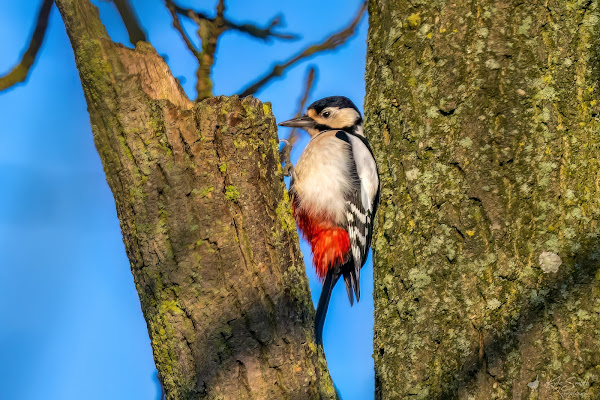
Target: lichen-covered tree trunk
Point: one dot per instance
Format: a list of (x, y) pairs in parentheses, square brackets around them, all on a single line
[(206, 223), (484, 117)]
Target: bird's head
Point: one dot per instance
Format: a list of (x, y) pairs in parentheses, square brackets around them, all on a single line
[(335, 112)]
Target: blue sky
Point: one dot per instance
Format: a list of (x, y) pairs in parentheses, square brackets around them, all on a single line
[(71, 325)]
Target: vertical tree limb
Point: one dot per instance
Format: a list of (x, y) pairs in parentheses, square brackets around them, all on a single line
[(209, 33), (206, 223)]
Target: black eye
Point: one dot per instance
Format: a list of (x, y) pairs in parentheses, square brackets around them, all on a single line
[(325, 114)]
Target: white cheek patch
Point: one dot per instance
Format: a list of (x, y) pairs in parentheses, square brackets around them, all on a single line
[(343, 118), (338, 119)]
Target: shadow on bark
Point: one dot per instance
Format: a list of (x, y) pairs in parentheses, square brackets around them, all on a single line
[(576, 279), (228, 353)]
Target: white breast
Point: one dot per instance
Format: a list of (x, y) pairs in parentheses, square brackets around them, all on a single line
[(321, 177)]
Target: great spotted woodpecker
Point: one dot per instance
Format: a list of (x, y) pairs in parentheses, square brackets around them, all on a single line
[(335, 193)]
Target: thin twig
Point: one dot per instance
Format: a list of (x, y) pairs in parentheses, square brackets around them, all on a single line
[(286, 150), (19, 73), (177, 25), (263, 33), (330, 43), (131, 22), (308, 86)]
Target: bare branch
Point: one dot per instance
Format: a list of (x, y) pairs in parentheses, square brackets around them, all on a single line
[(286, 150), (19, 73), (209, 31), (131, 22), (252, 30), (330, 43)]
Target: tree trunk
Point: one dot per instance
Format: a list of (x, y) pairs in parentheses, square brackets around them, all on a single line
[(206, 223), (484, 116)]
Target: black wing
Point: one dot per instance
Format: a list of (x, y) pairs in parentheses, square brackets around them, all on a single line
[(361, 206)]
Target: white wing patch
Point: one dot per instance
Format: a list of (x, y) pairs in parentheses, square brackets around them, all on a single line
[(367, 171), (356, 212)]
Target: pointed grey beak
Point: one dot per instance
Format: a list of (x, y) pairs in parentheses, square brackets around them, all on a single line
[(303, 122)]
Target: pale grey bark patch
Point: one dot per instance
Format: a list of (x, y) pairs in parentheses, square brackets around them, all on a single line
[(549, 262)]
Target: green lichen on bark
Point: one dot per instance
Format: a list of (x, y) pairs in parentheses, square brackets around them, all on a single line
[(205, 217), (484, 117)]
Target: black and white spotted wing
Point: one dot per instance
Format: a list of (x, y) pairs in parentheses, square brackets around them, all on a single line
[(361, 205)]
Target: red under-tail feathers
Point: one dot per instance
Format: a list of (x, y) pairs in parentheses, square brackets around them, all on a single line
[(330, 243)]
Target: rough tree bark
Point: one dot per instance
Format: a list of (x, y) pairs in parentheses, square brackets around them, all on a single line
[(484, 116), (206, 223)]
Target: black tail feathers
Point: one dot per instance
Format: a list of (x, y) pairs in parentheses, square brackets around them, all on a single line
[(351, 280), (330, 280)]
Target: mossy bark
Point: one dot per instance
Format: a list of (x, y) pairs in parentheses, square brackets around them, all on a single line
[(484, 117), (206, 223)]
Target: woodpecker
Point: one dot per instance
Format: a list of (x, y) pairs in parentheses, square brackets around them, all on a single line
[(335, 193)]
